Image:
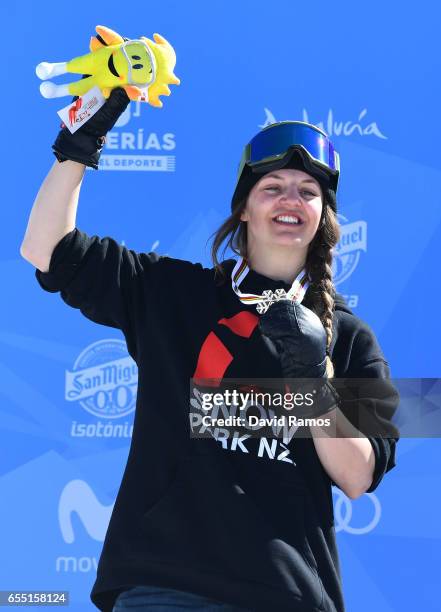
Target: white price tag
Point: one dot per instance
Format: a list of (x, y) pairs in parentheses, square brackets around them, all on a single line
[(75, 114)]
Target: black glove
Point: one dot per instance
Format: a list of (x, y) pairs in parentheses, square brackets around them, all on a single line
[(295, 335), (85, 144)]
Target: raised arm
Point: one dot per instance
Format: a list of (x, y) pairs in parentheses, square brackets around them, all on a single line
[(54, 212), (109, 283)]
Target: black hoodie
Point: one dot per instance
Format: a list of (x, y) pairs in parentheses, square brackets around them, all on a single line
[(250, 525)]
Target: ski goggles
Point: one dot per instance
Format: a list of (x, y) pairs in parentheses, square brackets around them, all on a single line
[(272, 148)]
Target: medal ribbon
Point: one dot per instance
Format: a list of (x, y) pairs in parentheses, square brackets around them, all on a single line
[(296, 293)]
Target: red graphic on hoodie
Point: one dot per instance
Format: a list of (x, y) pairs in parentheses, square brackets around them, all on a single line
[(214, 357)]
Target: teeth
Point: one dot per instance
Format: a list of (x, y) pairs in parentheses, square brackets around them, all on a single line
[(287, 219)]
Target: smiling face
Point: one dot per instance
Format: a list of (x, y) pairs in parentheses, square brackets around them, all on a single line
[(283, 209), (140, 63)]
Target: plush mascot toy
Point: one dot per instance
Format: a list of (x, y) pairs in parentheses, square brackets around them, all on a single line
[(142, 67)]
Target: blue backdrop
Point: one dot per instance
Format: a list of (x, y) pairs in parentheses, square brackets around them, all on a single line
[(369, 75)]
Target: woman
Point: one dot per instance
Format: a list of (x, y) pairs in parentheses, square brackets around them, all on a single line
[(224, 523)]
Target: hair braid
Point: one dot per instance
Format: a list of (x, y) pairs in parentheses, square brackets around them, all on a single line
[(319, 269)]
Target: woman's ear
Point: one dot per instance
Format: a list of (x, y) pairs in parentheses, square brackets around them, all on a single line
[(244, 215)]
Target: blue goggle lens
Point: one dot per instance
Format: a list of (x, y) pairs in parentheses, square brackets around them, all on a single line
[(274, 142)]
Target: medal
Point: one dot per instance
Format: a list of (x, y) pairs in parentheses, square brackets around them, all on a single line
[(296, 293)]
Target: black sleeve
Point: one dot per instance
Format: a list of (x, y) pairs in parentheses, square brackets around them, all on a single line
[(384, 450), (378, 400), (98, 276)]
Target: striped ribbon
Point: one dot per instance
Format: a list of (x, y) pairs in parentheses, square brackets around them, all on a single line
[(268, 297)]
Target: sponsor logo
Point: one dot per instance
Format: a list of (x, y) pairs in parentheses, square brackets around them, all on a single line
[(101, 430), (104, 382), (347, 251), (343, 513), (78, 500), (334, 127), (137, 149)]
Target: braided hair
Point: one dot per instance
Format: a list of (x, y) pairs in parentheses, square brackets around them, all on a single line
[(321, 292), (319, 268)]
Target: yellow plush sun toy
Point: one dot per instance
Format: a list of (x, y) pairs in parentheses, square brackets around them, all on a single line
[(142, 67)]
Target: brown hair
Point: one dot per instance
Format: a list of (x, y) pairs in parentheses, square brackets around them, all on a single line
[(318, 265)]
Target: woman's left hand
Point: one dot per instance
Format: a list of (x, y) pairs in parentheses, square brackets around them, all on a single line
[(298, 336)]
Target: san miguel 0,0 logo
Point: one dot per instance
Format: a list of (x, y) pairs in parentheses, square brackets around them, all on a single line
[(347, 252), (103, 381)]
